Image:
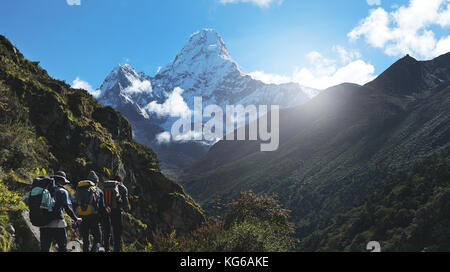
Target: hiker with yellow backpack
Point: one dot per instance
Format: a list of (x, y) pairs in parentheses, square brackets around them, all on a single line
[(88, 201)]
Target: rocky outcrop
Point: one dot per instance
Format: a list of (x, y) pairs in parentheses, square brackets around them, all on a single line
[(83, 135), (27, 235)]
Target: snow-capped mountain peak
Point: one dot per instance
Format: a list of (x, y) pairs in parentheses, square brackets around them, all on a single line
[(208, 40), (126, 86), (203, 68), (130, 80), (204, 54)]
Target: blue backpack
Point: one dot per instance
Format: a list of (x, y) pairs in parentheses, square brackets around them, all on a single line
[(41, 202)]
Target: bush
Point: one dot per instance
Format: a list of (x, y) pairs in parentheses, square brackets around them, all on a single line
[(257, 236), (265, 208), (9, 202), (253, 223)]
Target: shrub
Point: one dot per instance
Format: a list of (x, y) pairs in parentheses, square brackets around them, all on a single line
[(253, 223)]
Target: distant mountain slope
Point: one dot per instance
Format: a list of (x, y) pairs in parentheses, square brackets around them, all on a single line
[(129, 92), (408, 76), (409, 212), (204, 68), (82, 135), (335, 149)]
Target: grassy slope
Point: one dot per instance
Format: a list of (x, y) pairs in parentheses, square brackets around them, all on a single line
[(45, 123)]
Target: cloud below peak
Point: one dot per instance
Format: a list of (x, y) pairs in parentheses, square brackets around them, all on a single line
[(174, 106)]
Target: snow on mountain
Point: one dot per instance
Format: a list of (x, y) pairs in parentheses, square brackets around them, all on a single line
[(205, 68), (204, 54), (125, 86)]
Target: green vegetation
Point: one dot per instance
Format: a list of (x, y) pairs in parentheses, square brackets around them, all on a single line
[(10, 202), (333, 171), (21, 152), (252, 223), (410, 212), (44, 123)]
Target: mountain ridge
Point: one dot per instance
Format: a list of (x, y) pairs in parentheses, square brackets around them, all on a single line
[(419, 75), (204, 68), (335, 149)]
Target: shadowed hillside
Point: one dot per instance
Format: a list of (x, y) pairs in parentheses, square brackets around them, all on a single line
[(338, 148), (410, 212)]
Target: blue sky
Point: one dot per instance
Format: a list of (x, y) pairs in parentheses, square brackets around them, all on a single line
[(316, 43)]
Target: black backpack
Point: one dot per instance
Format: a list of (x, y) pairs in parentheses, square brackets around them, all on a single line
[(40, 216)]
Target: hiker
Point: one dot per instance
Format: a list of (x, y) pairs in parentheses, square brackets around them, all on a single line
[(56, 229), (116, 200), (89, 203)]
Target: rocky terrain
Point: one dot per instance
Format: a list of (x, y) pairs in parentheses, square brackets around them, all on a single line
[(47, 124)]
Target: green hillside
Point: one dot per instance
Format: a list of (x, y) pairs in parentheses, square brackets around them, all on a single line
[(337, 149), (46, 124), (410, 212)]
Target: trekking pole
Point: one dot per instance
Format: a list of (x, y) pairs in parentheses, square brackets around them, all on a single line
[(74, 245)]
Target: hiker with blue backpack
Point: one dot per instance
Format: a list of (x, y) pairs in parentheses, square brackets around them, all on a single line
[(47, 200), (89, 204)]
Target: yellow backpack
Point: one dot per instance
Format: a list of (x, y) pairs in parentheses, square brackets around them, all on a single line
[(87, 198)]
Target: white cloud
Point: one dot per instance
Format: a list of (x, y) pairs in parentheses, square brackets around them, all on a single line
[(374, 2), (138, 86), (80, 84), (73, 2), (443, 46), (375, 28), (163, 137), (188, 136), (407, 29), (323, 72), (174, 106), (358, 72), (260, 3), (270, 78), (346, 56)]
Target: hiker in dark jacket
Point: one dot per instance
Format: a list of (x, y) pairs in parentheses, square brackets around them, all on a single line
[(116, 200), (56, 230), (89, 210)]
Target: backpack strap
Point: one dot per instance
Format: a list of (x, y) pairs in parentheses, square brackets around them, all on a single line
[(85, 183)]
